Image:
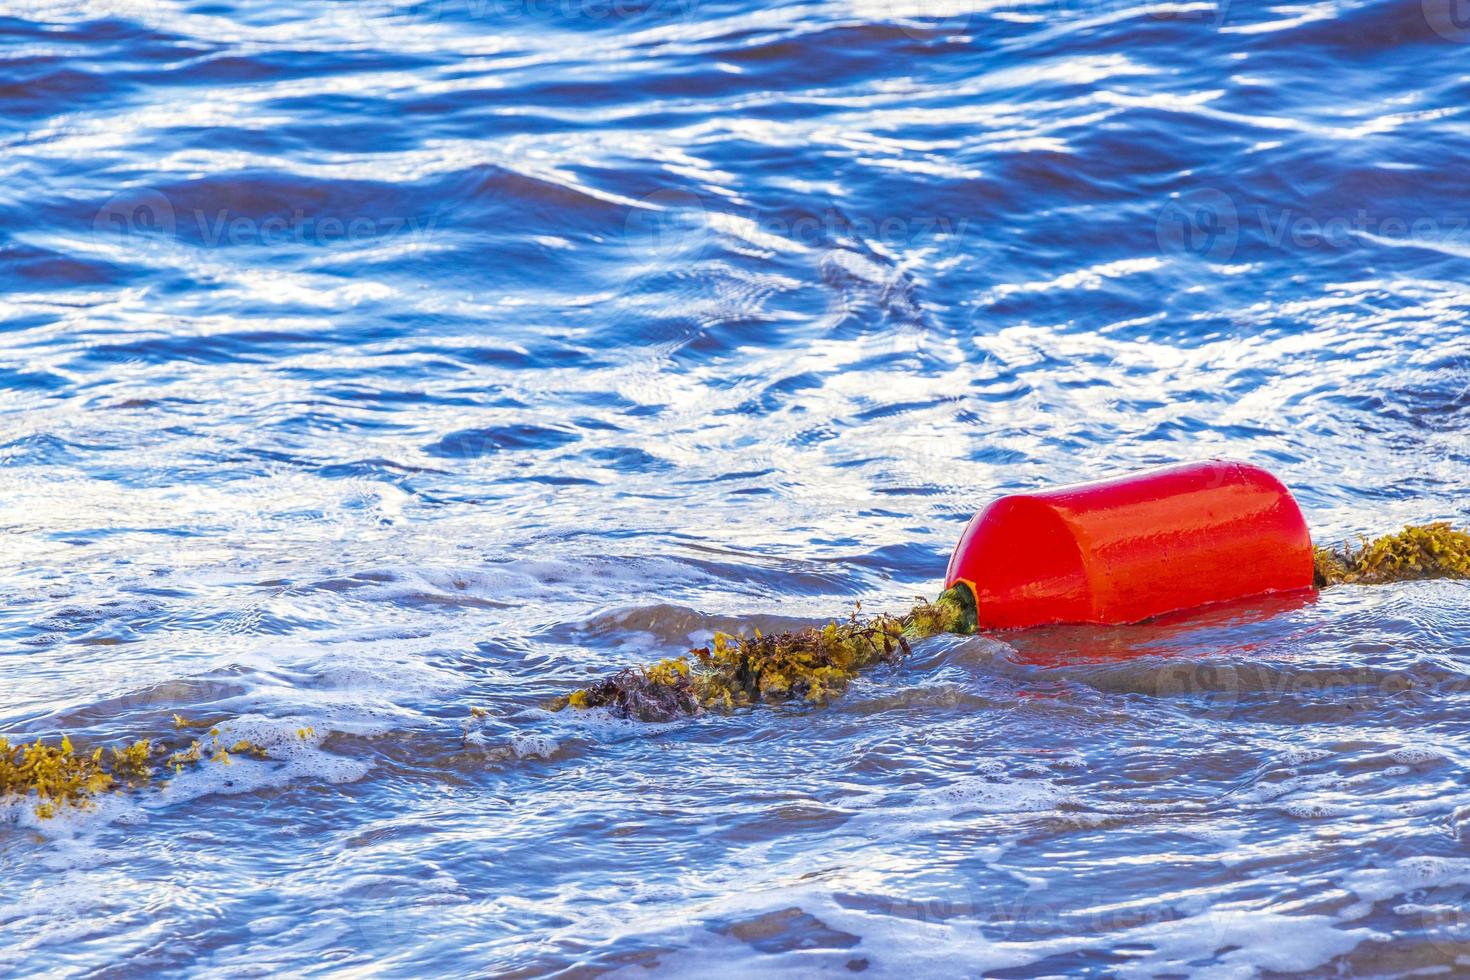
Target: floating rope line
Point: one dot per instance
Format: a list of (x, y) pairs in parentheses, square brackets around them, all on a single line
[(816, 665), (810, 664), (813, 665)]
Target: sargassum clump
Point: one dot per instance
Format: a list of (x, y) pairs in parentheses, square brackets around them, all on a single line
[(58, 775), (813, 664), (1419, 551)]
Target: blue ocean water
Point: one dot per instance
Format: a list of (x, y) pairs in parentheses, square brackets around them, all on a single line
[(366, 363)]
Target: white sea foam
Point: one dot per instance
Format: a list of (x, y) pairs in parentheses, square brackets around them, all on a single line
[(1215, 944), (896, 815), (1407, 874), (529, 745), (981, 795), (295, 753)]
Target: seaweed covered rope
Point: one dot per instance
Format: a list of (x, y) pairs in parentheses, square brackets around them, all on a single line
[(1419, 551), (812, 664), (816, 664)]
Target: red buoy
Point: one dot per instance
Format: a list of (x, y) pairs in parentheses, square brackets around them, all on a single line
[(1122, 550)]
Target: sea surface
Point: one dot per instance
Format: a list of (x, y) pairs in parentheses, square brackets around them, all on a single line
[(364, 364)]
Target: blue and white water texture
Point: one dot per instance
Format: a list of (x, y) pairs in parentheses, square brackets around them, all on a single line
[(368, 362)]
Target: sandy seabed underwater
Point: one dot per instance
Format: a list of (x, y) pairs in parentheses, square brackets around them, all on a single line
[(366, 364)]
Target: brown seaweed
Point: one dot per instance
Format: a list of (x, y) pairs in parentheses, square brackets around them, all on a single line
[(812, 665), (1424, 551), (59, 775)]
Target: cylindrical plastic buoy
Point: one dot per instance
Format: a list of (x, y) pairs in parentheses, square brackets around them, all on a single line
[(1122, 550)]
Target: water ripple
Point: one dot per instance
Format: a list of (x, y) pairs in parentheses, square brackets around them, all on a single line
[(364, 362)]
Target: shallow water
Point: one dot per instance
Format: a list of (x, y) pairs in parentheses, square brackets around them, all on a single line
[(367, 362)]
